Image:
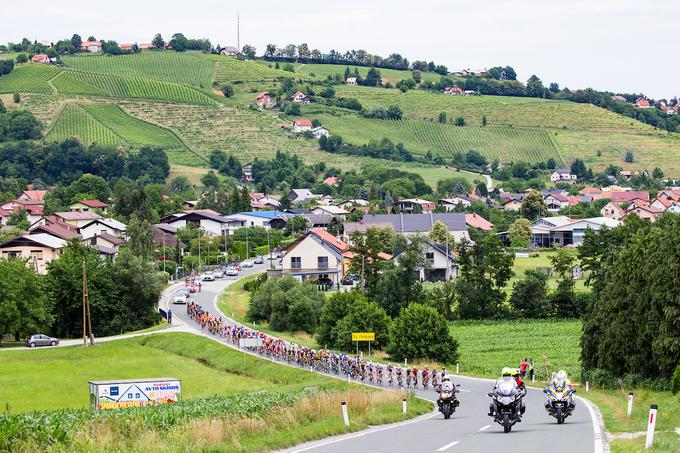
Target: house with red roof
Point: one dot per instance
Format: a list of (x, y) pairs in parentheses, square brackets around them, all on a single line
[(302, 125), (644, 212), (479, 222), (265, 100), (642, 103), (36, 195), (89, 205), (555, 202), (300, 98), (331, 181), (454, 90), (41, 58), (91, 46), (628, 196), (612, 211)]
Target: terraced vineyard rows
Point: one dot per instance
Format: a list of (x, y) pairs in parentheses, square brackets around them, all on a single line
[(246, 75), (77, 82), (499, 110), (29, 78), (165, 66), (387, 75), (76, 122), (502, 143), (132, 130)]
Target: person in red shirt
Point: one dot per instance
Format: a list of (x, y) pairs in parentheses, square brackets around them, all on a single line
[(523, 368)]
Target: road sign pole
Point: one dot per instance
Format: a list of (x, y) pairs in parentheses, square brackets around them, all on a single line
[(369, 348), (630, 404), (650, 426)]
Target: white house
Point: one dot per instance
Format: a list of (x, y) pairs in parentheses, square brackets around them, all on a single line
[(302, 125), (555, 202), (441, 266), (351, 81), (318, 255), (562, 174), (99, 227), (449, 204), (301, 195), (229, 51), (263, 219), (300, 98), (346, 204), (317, 132), (332, 211), (213, 225), (612, 211), (411, 205)]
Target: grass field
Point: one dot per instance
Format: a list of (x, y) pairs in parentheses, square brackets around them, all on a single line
[(433, 174), (88, 83), (420, 136), (165, 66), (74, 121), (487, 346), (132, 130), (520, 265), (321, 71), (29, 78)]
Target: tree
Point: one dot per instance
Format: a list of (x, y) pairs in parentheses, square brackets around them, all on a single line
[(535, 88), (210, 180), (442, 298), (248, 51), (372, 78), (158, 41), (179, 43), (90, 185), (563, 299), (485, 268), (6, 66), (362, 316), (76, 41), (520, 233), (140, 237), (23, 303), (296, 224), (21, 58), (484, 121), (439, 233), (629, 156), (529, 295), (578, 168), (19, 219), (533, 205), (366, 248), (180, 185), (442, 117), (657, 173), (270, 51), (453, 186), (419, 332), (460, 121), (336, 308)]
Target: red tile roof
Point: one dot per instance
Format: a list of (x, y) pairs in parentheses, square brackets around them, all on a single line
[(94, 203), (477, 221), (625, 197), (331, 180), (302, 122), (332, 240), (34, 194)]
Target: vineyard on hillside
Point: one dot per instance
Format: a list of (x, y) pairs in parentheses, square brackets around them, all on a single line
[(246, 75), (132, 130), (499, 110), (29, 78), (165, 66), (76, 122), (502, 143), (76, 82), (321, 71)]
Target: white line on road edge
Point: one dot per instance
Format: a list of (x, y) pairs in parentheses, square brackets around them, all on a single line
[(365, 432), (598, 446), (447, 446), (484, 428)]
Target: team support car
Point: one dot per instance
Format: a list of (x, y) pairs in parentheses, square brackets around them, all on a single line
[(209, 276), (180, 297), (259, 259), (41, 340)]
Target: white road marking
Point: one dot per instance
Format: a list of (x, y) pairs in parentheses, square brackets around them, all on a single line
[(484, 428), (447, 446), (598, 441), (465, 391)]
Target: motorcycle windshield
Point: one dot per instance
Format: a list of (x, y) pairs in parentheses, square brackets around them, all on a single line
[(506, 388)]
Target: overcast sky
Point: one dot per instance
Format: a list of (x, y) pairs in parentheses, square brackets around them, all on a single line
[(618, 45)]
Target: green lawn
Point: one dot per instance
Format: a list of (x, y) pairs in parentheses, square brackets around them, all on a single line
[(57, 378), (433, 174), (165, 66), (488, 346)]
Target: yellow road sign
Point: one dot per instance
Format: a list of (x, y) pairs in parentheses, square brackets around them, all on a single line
[(363, 336)]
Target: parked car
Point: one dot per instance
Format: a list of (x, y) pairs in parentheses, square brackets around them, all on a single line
[(259, 259), (232, 272), (208, 276), (41, 340), (247, 263), (180, 297)]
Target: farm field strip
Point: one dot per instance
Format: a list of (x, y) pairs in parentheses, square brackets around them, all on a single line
[(502, 143), (77, 82), (132, 130), (165, 66), (74, 121), (29, 78)]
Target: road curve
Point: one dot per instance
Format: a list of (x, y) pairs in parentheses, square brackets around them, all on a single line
[(470, 429)]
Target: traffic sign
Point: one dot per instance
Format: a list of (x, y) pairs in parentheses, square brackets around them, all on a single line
[(363, 336)]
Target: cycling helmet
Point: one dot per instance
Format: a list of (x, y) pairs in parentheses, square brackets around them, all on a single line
[(507, 371)]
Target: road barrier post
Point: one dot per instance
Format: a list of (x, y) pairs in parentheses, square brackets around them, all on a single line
[(349, 378), (403, 405), (457, 368), (345, 416), (587, 386), (630, 404), (650, 426)]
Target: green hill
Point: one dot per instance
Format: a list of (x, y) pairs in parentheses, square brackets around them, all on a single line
[(387, 75)]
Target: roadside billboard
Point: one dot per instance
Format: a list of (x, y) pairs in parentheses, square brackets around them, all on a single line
[(134, 392)]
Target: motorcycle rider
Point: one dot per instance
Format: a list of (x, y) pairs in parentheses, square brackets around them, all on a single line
[(560, 381), (447, 386), (506, 375)]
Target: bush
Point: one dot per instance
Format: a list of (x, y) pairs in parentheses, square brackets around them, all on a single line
[(419, 332), (675, 380), (227, 90), (17, 98)]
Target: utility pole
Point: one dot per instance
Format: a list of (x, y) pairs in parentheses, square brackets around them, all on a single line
[(269, 249), (86, 308), (199, 251), (247, 244), (163, 251), (238, 31)]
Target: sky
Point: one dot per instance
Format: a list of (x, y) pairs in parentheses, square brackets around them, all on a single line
[(615, 45)]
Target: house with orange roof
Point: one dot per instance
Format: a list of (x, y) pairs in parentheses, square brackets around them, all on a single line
[(644, 212), (479, 222), (318, 257), (36, 195), (302, 125), (612, 211), (265, 100), (41, 58), (661, 203)]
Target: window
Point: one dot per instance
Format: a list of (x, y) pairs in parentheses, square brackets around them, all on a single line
[(296, 262), (429, 256), (37, 255), (322, 262)]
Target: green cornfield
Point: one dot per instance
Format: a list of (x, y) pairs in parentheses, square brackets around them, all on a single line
[(166, 66), (73, 121), (29, 78), (128, 87)]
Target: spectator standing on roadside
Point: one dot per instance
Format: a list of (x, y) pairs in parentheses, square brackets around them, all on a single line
[(531, 368), (523, 368), (169, 316)]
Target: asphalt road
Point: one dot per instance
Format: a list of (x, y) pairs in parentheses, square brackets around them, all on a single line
[(470, 429)]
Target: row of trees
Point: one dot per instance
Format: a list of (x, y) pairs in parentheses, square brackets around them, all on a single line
[(123, 294)]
